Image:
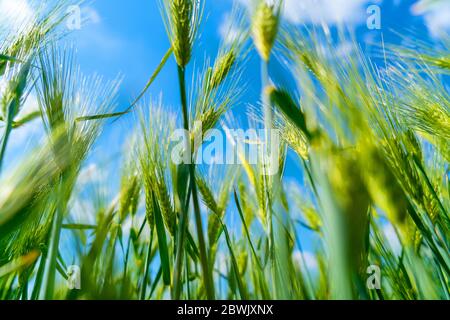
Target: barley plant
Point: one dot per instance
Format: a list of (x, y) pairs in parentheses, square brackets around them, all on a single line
[(371, 144)]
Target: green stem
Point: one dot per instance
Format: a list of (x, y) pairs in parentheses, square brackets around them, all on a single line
[(207, 276), (47, 289), (268, 126), (25, 287), (125, 267), (63, 192), (5, 139), (147, 266), (181, 234), (268, 117), (39, 276)]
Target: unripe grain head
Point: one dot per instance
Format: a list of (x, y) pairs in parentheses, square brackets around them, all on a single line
[(182, 21), (221, 68), (265, 25)]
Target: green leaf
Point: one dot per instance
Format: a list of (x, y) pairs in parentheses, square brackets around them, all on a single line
[(182, 180), (162, 243), (247, 233), (77, 226), (283, 101), (128, 110), (25, 119), (155, 282), (242, 290), (4, 57)]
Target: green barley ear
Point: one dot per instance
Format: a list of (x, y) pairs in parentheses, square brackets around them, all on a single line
[(229, 53), (265, 23), (153, 155), (182, 19), (222, 68), (129, 192)]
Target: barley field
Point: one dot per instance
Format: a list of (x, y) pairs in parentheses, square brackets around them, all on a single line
[(199, 206)]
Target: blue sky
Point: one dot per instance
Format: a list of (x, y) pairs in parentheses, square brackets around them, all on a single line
[(128, 38)]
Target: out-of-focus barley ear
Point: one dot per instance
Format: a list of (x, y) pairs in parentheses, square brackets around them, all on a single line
[(385, 189), (265, 25), (291, 121), (243, 262), (289, 108), (182, 20), (352, 197), (247, 208), (313, 218), (294, 139)]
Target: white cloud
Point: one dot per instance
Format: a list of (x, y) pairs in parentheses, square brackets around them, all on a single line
[(307, 258), (325, 11), (436, 16), (330, 12), (82, 211), (15, 13), (90, 174), (91, 15)]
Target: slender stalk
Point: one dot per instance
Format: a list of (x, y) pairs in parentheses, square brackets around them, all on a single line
[(180, 248), (268, 117), (25, 288), (268, 124), (147, 267), (125, 267), (188, 287), (207, 276), (48, 284), (39, 276), (47, 289), (5, 139), (181, 234)]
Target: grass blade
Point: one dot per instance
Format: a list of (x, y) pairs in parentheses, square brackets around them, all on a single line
[(139, 97), (162, 243)]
